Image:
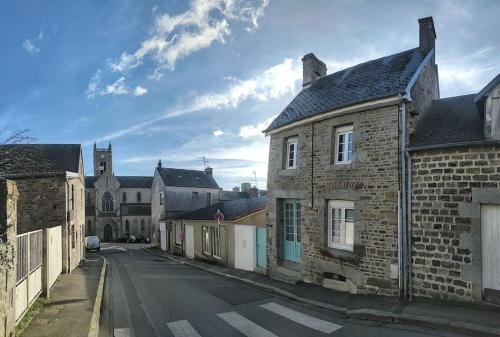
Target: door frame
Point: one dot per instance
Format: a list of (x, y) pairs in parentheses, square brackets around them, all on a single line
[(297, 233)]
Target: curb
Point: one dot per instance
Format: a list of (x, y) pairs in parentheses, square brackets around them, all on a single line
[(361, 314), (96, 313)]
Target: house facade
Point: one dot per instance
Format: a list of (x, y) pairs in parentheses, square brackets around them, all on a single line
[(336, 172), (116, 206), (237, 239), (50, 183), (176, 191), (455, 203)]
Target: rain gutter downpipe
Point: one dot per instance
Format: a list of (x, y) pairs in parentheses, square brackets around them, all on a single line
[(403, 230)]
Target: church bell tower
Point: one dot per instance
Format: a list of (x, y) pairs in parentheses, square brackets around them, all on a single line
[(103, 160)]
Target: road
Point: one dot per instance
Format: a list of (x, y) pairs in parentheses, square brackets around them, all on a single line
[(147, 296)]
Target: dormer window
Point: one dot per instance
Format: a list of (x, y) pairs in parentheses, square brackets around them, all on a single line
[(291, 152)]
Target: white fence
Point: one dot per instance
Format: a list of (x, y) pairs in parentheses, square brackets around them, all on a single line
[(29, 270), (54, 254)]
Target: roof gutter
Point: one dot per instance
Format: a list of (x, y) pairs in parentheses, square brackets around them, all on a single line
[(452, 145), (374, 104)]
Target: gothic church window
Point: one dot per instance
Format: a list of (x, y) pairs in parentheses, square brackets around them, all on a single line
[(107, 201), (124, 197), (139, 197)]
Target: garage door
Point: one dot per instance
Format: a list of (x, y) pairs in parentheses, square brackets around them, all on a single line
[(490, 234)]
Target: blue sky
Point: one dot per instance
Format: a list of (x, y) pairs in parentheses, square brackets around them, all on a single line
[(177, 80)]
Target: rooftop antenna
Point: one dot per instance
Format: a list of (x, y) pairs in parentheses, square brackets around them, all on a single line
[(205, 161), (254, 178)]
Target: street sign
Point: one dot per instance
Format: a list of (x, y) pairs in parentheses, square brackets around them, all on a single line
[(219, 217)]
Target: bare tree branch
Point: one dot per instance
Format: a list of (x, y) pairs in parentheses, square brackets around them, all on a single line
[(16, 136)]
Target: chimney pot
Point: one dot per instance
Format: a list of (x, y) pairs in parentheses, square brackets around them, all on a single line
[(312, 69), (209, 171), (427, 34)]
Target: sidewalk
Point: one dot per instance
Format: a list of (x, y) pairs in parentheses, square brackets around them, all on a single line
[(71, 306), (463, 318)]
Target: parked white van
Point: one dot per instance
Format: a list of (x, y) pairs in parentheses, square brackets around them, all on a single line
[(92, 243)]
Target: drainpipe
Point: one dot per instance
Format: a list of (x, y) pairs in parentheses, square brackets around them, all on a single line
[(402, 244), (408, 224)]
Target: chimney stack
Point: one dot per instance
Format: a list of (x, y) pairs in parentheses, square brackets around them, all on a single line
[(159, 163), (208, 171), (427, 34), (312, 69)]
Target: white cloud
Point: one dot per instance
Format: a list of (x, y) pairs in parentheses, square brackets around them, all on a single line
[(218, 133), (175, 37), (139, 91), (116, 88), (119, 87), (30, 47), (41, 36), (247, 131), (272, 83)]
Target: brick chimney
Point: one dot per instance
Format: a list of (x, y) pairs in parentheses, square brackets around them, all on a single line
[(312, 69), (427, 34), (208, 171)]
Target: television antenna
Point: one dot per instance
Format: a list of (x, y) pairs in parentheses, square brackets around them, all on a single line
[(254, 178), (205, 161)]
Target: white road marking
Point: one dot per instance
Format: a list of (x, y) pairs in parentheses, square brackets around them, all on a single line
[(114, 247), (179, 277), (182, 329), (125, 332), (244, 325), (296, 316)]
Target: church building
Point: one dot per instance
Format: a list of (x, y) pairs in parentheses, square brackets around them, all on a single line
[(116, 206)]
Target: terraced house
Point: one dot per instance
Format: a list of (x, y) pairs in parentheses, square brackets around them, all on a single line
[(337, 182)]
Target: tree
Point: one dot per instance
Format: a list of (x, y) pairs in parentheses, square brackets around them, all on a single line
[(16, 136)]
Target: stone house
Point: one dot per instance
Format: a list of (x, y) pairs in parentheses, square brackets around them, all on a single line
[(176, 191), (237, 240), (337, 209), (116, 206), (455, 204), (50, 182)]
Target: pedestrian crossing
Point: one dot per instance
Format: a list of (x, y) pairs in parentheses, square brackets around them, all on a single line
[(249, 328)]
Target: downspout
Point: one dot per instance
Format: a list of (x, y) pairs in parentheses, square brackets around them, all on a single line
[(408, 224), (402, 244), (312, 166)]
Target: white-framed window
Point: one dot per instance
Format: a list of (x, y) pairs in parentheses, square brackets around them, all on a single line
[(205, 240), (162, 198), (291, 152), (343, 144), (216, 242), (178, 234), (341, 224)]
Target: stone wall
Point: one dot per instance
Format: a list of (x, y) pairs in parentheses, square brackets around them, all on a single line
[(449, 186), (42, 203), (8, 225), (371, 181)]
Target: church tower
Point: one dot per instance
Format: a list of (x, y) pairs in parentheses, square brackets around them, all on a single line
[(103, 160)]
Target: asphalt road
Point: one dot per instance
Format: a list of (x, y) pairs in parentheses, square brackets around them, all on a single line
[(147, 296)]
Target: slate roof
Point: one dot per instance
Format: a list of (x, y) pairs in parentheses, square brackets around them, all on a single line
[(125, 181), (384, 77), (135, 209), (232, 210), (186, 178), (29, 160), (135, 181), (449, 120)]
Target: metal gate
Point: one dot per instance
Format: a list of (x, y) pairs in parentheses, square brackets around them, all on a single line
[(29, 270)]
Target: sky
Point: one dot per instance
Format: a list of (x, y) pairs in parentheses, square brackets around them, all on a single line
[(180, 79)]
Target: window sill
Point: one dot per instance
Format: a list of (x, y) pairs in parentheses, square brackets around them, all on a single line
[(340, 254), (342, 166), (288, 172)]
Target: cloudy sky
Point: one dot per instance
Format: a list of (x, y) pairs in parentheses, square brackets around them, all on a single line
[(182, 79)]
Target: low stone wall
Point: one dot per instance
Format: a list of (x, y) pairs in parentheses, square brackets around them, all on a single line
[(449, 186)]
